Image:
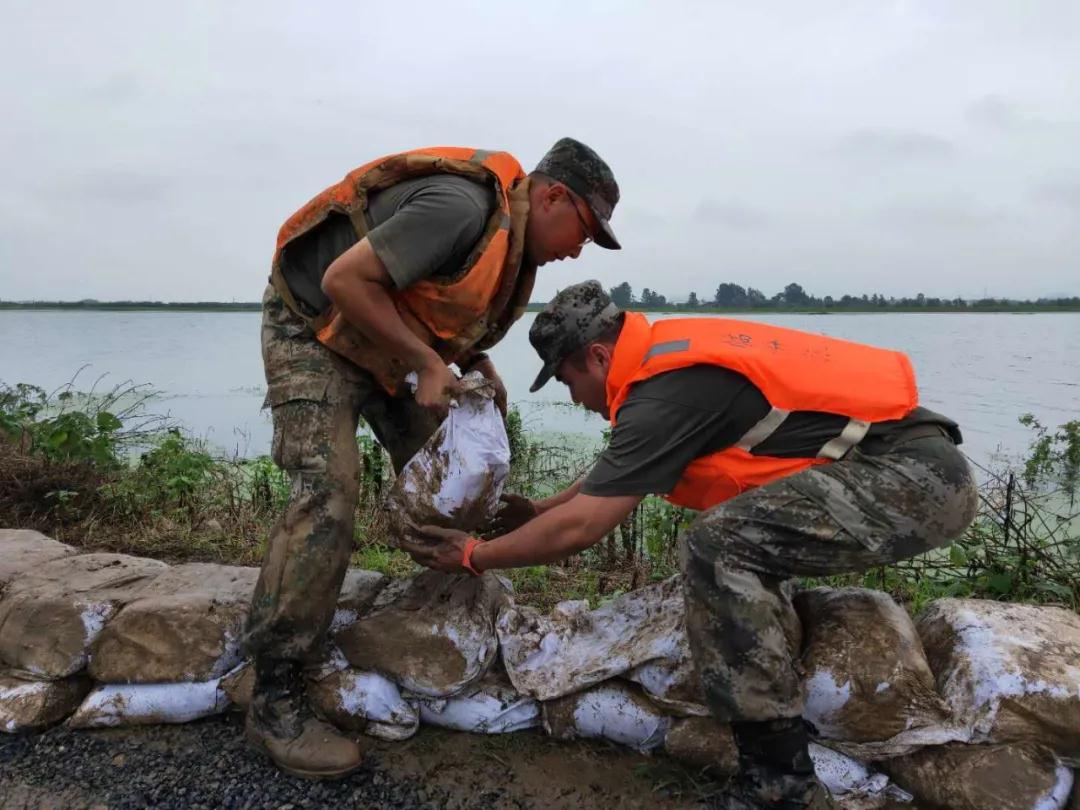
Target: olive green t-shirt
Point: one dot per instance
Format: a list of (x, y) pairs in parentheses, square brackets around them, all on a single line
[(418, 228), (671, 419)]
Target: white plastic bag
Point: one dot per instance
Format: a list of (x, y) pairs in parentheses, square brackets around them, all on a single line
[(456, 478)]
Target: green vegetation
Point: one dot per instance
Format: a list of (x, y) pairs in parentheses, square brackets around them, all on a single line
[(94, 470)]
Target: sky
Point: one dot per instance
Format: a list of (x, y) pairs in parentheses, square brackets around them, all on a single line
[(152, 150)]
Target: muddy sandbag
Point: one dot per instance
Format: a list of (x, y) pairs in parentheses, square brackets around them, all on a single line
[(1010, 673), (703, 743), (492, 706), (185, 626), (433, 635), (613, 711), (51, 615), (983, 777), (364, 701), (456, 478), (31, 705), (149, 703), (358, 593), (573, 648), (24, 550), (237, 685), (867, 678)]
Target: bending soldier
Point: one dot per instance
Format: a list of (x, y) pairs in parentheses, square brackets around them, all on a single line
[(411, 263), (807, 455)]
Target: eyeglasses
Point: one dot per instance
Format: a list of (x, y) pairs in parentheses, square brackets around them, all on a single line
[(584, 225)]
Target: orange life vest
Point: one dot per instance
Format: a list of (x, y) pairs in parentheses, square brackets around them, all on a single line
[(471, 310), (796, 371)]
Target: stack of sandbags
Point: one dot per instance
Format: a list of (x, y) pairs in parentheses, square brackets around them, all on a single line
[(28, 703), (433, 635), (1009, 673), (54, 605), (869, 689), (161, 657)]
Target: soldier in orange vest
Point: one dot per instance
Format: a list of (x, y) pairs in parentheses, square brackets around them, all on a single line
[(412, 263), (807, 455)]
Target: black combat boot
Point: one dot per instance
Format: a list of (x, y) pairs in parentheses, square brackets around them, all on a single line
[(774, 766), (280, 724)]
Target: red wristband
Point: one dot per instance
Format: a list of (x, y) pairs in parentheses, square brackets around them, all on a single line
[(466, 555)]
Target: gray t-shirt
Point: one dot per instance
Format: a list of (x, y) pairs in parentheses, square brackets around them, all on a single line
[(418, 228), (671, 419)]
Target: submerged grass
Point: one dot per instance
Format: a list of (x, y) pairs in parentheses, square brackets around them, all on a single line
[(95, 471)]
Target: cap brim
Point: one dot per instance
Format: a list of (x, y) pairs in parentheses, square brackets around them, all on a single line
[(605, 237), (546, 373)]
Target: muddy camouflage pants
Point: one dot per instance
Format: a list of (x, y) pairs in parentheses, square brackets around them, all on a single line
[(739, 557), (316, 399)]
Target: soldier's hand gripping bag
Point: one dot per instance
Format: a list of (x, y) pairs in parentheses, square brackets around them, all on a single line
[(455, 480)]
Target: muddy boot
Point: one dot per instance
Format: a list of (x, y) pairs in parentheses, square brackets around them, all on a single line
[(280, 724), (775, 769)]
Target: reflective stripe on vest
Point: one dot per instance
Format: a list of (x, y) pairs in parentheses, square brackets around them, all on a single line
[(795, 371)]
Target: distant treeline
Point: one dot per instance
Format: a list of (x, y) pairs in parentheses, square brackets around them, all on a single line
[(793, 297), (728, 297)]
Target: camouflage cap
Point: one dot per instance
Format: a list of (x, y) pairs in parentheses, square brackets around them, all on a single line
[(586, 174), (572, 319)]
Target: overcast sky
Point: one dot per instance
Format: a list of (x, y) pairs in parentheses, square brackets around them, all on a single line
[(151, 150)]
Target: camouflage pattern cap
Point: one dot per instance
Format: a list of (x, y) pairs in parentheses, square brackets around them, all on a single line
[(586, 174), (572, 319)]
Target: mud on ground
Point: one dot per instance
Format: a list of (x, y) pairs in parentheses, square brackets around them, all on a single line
[(207, 765)]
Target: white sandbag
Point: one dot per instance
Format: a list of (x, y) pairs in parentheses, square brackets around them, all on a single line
[(844, 776), (50, 616), (868, 685), (149, 703), (983, 777), (614, 711), (184, 626), (456, 478), (364, 701), (1010, 673), (23, 550), (32, 705), (434, 635), (491, 707), (550, 656)]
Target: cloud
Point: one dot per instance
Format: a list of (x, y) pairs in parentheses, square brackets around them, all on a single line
[(945, 214), (1059, 192), (894, 144), (120, 186), (729, 214)]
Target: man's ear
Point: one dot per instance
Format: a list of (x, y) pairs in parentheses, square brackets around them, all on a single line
[(601, 355)]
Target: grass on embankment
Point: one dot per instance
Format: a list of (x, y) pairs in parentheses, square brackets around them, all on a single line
[(67, 469)]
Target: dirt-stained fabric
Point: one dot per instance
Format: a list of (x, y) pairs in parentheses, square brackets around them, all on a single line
[(316, 400), (867, 679), (848, 516), (979, 777)]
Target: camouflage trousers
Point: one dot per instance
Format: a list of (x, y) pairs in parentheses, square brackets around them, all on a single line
[(738, 560), (316, 399)]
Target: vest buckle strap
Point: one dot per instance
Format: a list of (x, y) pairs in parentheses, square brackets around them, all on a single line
[(765, 428), (851, 435)]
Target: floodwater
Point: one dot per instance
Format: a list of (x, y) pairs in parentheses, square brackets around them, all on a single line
[(982, 369)]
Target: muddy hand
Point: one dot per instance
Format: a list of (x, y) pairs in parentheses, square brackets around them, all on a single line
[(437, 548), (487, 369), (436, 384), (516, 511)]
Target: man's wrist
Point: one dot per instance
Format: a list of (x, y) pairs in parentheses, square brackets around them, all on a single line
[(468, 556)]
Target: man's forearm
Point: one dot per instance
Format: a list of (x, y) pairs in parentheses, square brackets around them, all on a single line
[(559, 497), (351, 282), (556, 534)]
